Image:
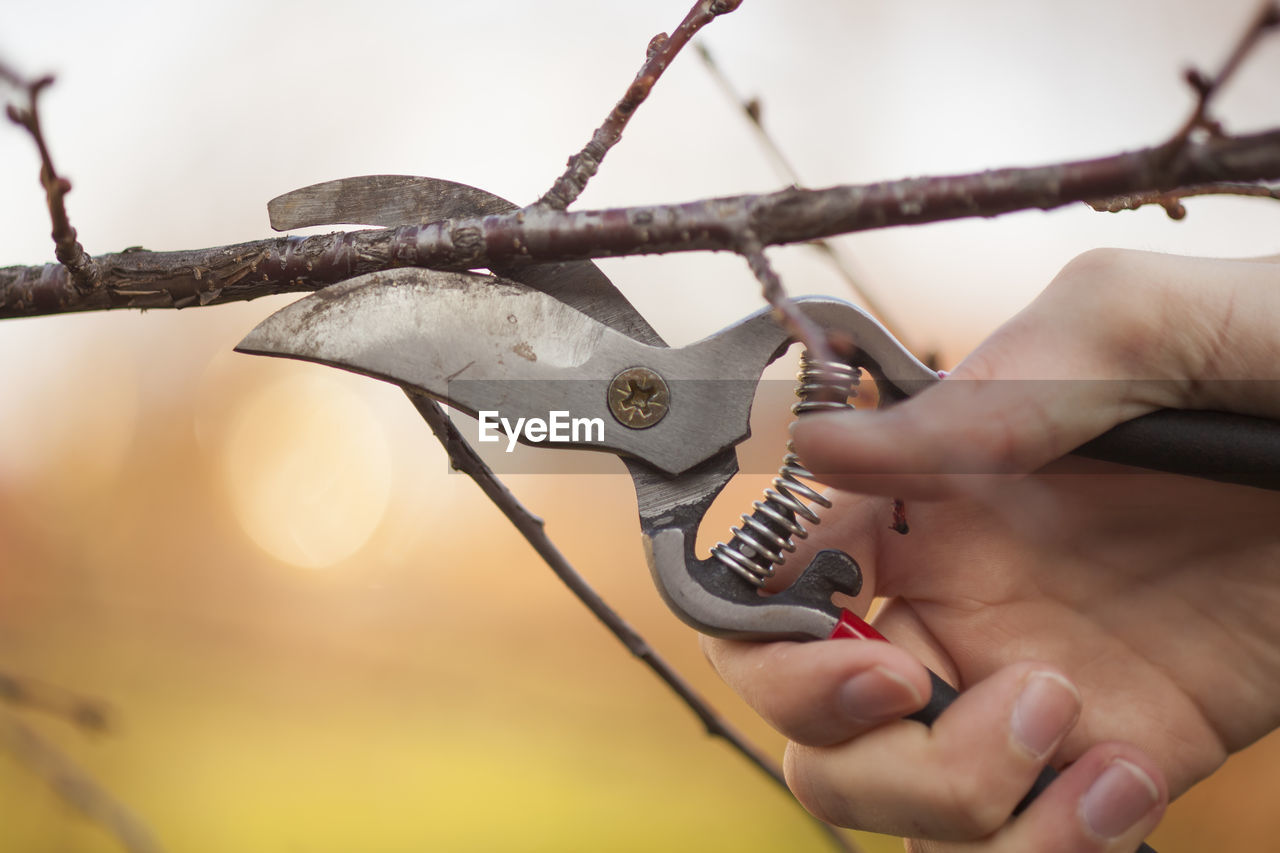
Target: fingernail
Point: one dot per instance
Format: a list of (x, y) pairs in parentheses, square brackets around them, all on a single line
[(878, 695), (1045, 711), (1123, 795)]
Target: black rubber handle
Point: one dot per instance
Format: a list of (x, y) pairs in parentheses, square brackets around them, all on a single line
[(1220, 446), (943, 694)]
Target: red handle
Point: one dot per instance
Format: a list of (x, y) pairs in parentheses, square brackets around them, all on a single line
[(854, 627)]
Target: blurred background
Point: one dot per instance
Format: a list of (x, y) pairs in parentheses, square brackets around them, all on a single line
[(315, 638)]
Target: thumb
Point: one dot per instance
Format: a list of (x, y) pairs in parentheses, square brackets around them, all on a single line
[(1041, 386)]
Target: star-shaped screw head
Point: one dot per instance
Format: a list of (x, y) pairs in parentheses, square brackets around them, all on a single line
[(638, 397)]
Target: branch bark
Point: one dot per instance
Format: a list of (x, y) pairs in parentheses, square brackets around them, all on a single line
[(1172, 201), (67, 249), (141, 279), (662, 50)]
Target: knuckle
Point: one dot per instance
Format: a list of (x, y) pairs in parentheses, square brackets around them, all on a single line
[(1097, 272), (1126, 304), (967, 807), (1101, 263), (797, 771)]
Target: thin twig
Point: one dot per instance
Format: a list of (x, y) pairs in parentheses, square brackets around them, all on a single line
[(795, 321), (1206, 88), (1179, 147), (462, 457), (74, 785), (88, 714), (753, 112), (67, 249), (662, 50), (820, 345), (1172, 201), (752, 109)]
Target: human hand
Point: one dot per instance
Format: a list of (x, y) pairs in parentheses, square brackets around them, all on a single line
[(1114, 621)]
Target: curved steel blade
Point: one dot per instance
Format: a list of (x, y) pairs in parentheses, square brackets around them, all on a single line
[(390, 200), (481, 343)]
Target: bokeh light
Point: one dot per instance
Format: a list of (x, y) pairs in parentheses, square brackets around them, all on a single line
[(308, 469)]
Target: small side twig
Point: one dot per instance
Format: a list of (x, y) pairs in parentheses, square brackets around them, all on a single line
[(795, 321), (583, 166), (87, 714), (84, 270), (820, 345), (1206, 88), (753, 112), (462, 457), (1172, 201), (74, 785)]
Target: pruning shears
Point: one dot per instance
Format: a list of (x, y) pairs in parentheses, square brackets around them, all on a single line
[(526, 341), (533, 340)]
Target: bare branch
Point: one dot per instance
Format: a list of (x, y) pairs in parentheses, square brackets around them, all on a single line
[(1172, 201), (1206, 88), (74, 785), (752, 110), (462, 457), (88, 714), (795, 321), (662, 50), (141, 279), (67, 249)]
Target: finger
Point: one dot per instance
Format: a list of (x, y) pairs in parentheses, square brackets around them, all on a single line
[(1106, 802), (993, 417), (822, 693), (959, 780), (1007, 408)]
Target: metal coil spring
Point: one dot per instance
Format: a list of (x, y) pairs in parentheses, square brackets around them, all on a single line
[(770, 531)]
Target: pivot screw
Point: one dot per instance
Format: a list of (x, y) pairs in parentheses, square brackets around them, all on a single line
[(638, 398)]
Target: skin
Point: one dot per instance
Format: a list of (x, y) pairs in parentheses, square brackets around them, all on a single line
[(1115, 623)]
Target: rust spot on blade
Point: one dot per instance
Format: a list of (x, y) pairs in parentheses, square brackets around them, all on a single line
[(525, 351)]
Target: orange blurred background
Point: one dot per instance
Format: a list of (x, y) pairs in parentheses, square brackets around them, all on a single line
[(313, 636)]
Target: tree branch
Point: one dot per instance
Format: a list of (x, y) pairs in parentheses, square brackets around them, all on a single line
[(1205, 88), (90, 715), (795, 321), (74, 785), (464, 458), (141, 279), (662, 50), (67, 249), (1172, 201)]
